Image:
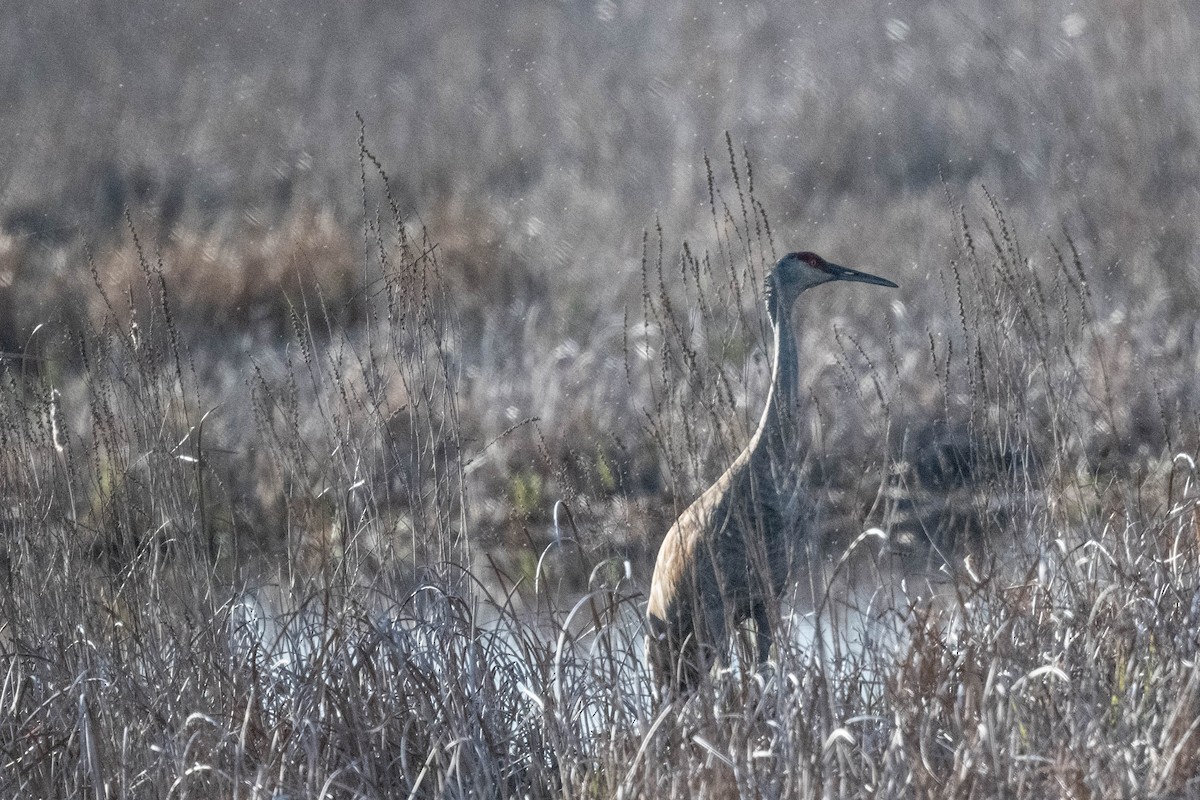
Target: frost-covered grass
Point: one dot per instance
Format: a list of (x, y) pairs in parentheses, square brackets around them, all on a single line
[(1001, 602), (313, 485)]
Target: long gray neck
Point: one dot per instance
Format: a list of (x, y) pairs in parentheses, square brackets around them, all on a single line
[(777, 426)]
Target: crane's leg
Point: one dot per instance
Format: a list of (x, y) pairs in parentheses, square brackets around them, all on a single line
[(715, 648), (762, 631)]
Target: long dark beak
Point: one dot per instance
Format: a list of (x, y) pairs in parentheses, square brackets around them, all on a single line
[(841, 273)]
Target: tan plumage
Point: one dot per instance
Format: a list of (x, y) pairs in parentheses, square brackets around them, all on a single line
[(726, 558)]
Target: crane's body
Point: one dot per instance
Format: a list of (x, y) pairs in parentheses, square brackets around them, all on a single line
[(726, 558)]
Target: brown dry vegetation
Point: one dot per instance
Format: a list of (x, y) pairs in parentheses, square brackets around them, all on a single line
[(285, 420)]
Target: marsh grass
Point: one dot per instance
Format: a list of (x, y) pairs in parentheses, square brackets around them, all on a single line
[(312, 486), (288, 597)]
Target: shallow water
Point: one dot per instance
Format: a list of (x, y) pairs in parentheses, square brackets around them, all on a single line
[(576, 657)]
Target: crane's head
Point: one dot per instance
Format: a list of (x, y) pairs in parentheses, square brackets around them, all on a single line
[(796, 272)]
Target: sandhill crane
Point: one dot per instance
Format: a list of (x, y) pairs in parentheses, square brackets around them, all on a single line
[(726, 558)]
